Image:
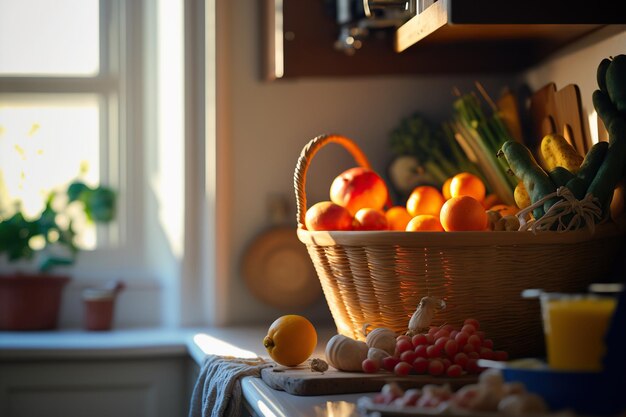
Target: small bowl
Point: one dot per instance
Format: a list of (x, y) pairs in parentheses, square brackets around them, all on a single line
[(586, 393)]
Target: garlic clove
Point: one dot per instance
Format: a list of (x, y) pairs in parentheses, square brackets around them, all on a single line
[(382, 338), (377, 355)]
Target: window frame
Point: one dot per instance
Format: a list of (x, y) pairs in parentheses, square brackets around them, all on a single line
[(168, 292), (120, 62)]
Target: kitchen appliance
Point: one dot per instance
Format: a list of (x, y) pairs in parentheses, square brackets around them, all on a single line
[(361, 19)]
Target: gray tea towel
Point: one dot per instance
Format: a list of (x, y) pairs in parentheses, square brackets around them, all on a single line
[(217, 392)]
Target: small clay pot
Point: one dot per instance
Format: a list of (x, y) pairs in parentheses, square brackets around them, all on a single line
[(99, 304)]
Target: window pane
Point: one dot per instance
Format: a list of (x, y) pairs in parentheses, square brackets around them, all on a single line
[(46, 143), (49, 37)]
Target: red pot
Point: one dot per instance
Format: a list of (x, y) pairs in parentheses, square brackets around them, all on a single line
[(30, 301)]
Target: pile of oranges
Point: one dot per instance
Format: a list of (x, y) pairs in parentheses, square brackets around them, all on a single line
[(460, 205)]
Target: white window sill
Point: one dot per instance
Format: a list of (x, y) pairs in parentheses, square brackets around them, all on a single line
[(132, 342)]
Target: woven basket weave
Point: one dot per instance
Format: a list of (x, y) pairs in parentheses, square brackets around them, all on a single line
[(378, 277)]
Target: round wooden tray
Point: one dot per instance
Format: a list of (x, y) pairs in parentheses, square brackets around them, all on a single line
[(278, 270)]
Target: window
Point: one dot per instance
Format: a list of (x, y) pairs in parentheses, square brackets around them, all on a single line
[(36, 134), (60, 94), (113, 91), (40, 37)]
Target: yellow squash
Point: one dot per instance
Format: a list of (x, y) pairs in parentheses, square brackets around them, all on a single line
[(522, 199), (557, 152)]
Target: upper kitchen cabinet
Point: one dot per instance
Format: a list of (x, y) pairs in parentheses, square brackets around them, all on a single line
[(324, 38)]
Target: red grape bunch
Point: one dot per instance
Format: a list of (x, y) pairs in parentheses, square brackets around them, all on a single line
[(442, 350)]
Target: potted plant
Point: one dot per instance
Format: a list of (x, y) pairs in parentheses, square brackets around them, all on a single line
[(30, 292)]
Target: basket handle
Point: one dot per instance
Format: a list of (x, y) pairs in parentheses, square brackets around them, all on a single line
[(307, 154)]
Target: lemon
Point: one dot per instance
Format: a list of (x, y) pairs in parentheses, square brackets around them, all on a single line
[(290, 340)]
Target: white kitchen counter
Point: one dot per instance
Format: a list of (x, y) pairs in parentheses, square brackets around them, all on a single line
[(267, 402)]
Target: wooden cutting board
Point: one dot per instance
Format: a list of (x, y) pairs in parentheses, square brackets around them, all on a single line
[(277, 269), (302, 381), (553, 111), (569, 117)]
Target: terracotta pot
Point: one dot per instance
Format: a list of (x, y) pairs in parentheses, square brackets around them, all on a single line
[(30, 301), (99, 313)]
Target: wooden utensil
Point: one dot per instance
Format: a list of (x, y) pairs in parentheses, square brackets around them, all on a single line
[(569, 117), (542, 111), (560, 112)]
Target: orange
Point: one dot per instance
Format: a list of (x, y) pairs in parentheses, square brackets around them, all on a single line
[(467, 184), (463, 213), (370, 219), (424, 223), (425, 200), (490, 201), (397, 218), (445, 189), (504, 210), (290, 340), (326, 215)]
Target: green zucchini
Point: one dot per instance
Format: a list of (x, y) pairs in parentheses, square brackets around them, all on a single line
[(601, 74), (588, 169), (537, 183), (560, 176), (610, 172), (614, 122), (616, 82)]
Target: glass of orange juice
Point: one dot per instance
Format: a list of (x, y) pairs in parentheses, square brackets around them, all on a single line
[(575, 326)]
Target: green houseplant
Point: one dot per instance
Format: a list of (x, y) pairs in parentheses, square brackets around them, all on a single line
[(31, 300)]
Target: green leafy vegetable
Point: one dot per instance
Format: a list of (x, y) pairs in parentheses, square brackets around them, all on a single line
[(436, 151), (481, 135)]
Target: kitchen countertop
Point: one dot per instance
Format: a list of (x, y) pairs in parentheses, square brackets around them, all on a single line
[(198, 343), (260, 398), (265, 401)]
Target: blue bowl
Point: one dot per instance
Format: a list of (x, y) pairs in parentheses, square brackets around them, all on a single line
[(590, 393)]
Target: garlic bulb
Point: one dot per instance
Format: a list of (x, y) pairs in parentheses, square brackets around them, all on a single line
[(377, 355), (381, 338), (346, 354), (423, 315)]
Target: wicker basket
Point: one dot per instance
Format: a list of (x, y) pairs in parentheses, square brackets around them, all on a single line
[(378, 277)]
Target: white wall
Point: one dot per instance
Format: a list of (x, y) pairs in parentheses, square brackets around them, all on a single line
[(268, 123), (577, 64)]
